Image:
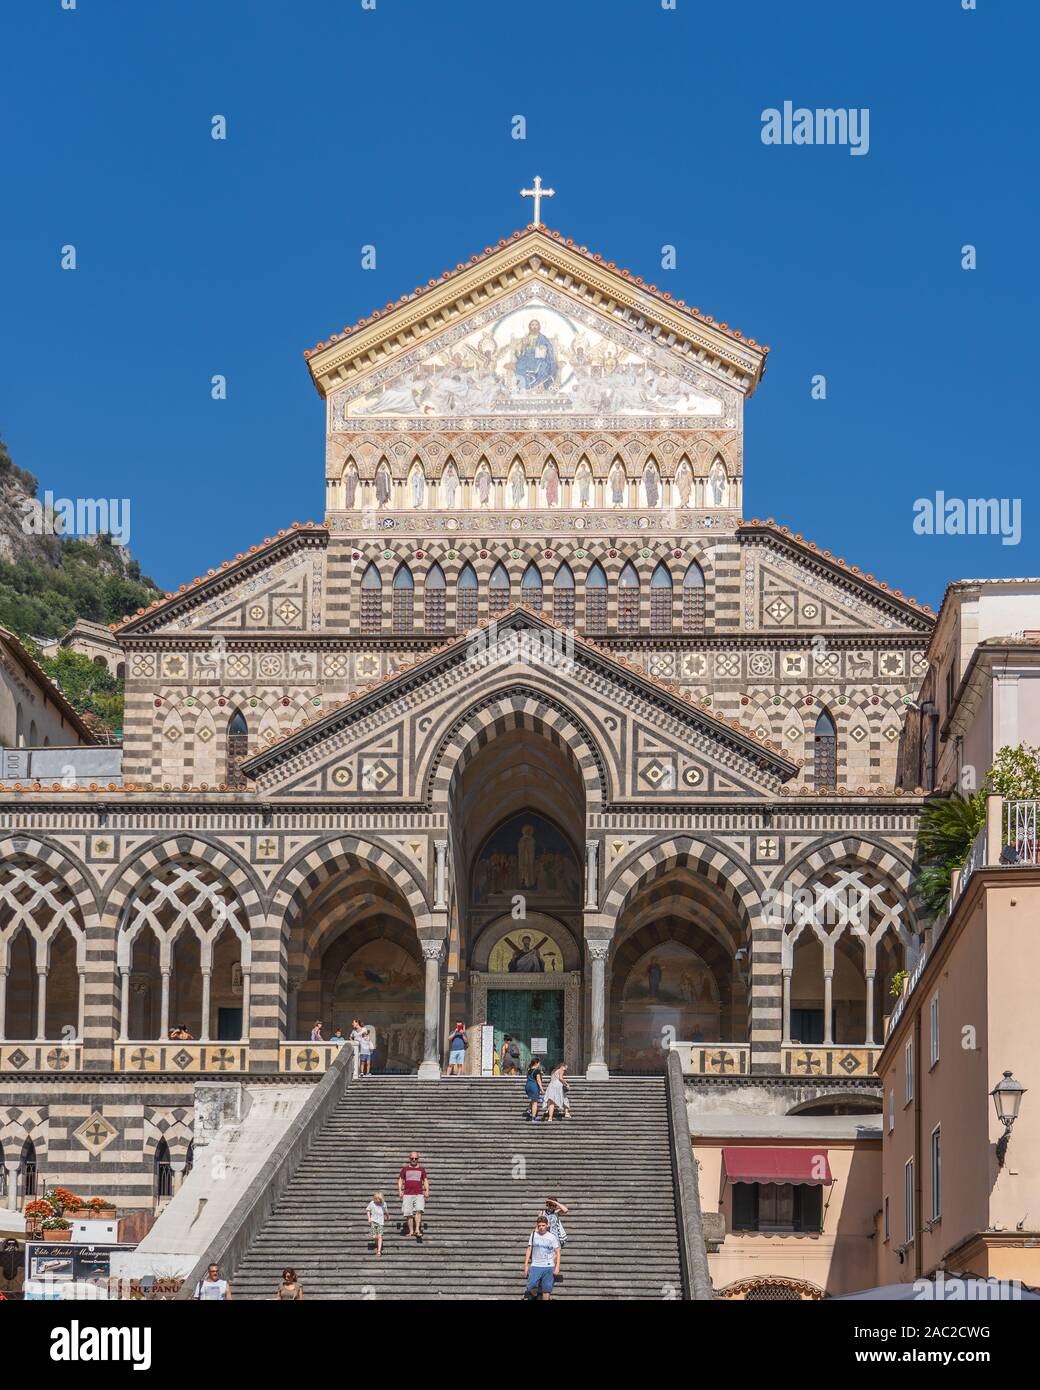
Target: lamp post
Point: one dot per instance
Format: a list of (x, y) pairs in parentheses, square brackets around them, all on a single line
[(1007, 1100)]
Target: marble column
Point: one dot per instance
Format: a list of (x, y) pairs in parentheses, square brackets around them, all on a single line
[(164, 1016), (207, 983), (828, 990), (870, 1008), (449, 985), (596, 954), (124, 1005), (591, 875), (786, 1036), (4, 973), (430, 1068), (41, 1005), (440, 875), (246, 1004)]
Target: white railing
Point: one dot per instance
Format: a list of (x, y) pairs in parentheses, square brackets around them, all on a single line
[(1020, 826), (977, 856)]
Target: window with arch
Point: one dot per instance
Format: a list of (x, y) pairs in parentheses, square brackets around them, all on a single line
[(531, 588), (498, 591), (466, 603), (371, 599), (237, 748), (29, 1169), (825, 752), (596, 600), (693, 598), (433, 599), (661, 599), (563, 596), (42, 953), (404, 593), (182, 945), (628, 600), (163, 1170)]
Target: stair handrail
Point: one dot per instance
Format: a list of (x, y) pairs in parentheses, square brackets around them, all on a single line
[(251, 1211), (692, 1249)]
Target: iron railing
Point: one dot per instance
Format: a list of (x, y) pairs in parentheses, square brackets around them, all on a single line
[(1020, 826)]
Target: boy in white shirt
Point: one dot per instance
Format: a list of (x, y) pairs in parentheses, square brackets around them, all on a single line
[(542, 1260), (376, 1213)]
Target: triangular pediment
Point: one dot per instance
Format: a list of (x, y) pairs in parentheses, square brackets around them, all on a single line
[(275, 587), (790, 585), (657, 355), (649, 745), (538, 354)]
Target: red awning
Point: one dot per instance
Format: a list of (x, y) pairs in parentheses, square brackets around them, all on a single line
[(810, 1167)]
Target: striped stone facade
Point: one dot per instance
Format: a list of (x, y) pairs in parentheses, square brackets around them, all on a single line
[(677, 759)]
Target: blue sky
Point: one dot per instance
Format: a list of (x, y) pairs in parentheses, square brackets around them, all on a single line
[(392, 127)]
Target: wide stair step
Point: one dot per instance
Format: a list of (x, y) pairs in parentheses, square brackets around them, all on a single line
[(490, 1170)]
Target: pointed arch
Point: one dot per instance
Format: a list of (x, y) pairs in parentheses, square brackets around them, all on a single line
[(433, 599), (403, 599), (628, 600), (693, 598), (498, 591), (563, 595), (237, 749), (595, 600), (531, 588), (825, 751), (371, 599), (466, 599), (661, 599)]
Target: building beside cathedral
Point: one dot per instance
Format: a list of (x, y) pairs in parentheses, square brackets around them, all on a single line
[(534, 729)]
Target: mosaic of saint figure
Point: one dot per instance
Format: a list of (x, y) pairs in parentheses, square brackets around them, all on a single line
[(717, 484), (517, 486), (583, 478), (418, 487), (527, 956), (535, 360), (350, 482), (382, 485), (526, 853), (451, 483), (484, 486), (651, 483), (617, 485), (552, 485), (684, 483)]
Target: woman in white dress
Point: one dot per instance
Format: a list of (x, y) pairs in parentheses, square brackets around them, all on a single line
[(556, 1094)]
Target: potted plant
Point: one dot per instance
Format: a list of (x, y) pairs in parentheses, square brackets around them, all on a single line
[(62, 1200), (35, 1213), (56, 1228), (98, 1209)]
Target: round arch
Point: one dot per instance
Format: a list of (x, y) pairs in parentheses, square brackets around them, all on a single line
[(312, 867), (707, 857), (521, 708)]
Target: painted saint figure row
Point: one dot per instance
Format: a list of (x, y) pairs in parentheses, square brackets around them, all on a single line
[(520, 489)]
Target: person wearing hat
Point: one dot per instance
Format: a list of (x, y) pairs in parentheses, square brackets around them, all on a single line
[(553, 1211), (457, 1050)]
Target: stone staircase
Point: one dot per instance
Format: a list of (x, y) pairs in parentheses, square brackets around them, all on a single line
[(489, 1170)]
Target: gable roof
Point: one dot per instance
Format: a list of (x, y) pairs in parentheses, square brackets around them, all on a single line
[(840, 569), (691, 335), (362, 700), (226, 574)]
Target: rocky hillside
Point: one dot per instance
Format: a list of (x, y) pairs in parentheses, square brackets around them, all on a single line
[(47, 581)]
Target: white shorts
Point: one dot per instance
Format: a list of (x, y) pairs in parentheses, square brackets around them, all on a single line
[(411, 1203)]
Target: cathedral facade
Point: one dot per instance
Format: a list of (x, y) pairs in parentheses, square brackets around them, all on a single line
[(534, 729)]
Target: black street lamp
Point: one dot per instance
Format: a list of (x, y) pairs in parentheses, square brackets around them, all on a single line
[(1007, 1100)]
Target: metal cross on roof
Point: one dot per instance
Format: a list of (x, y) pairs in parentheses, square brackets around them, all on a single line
[(537, 193)]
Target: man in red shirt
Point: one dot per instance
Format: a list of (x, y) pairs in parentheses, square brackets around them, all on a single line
[(413, 1187)]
